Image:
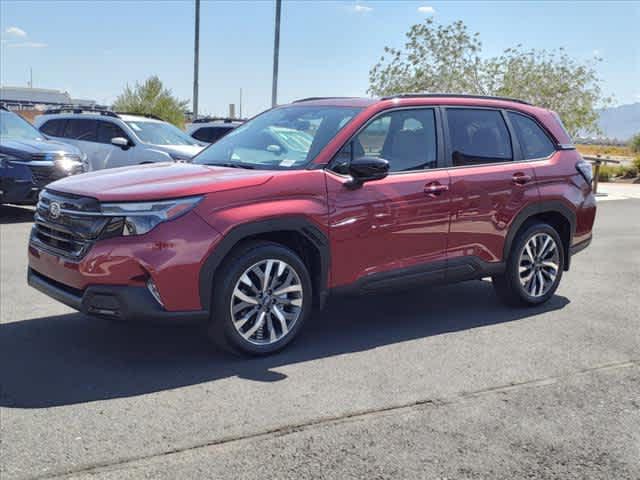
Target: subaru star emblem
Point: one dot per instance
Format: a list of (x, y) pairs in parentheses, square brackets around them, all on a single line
[(54, 210)]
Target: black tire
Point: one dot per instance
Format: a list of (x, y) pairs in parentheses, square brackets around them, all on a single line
[(221, 328), (508, 286)]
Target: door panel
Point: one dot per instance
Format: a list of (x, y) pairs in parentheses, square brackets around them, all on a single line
[(490, 183), (387, 225), (484, 201)]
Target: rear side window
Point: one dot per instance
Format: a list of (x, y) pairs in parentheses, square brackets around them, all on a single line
[(533, 141), (211, 134), (108, 130), (478, 136), (81, 129), (55, 128)]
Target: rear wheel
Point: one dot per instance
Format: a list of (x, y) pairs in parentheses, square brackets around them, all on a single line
[(534, 267), (262, 297)]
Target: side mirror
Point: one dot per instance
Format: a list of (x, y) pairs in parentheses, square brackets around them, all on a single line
[(277, 149), (121, 142), (367, 169)]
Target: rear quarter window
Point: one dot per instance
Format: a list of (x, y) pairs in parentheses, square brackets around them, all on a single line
[(81, 129), (534, 142), (55, 128)]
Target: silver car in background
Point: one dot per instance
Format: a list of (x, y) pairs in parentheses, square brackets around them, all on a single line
[(111, 139)]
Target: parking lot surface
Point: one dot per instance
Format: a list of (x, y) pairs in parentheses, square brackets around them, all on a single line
[(429, 383)]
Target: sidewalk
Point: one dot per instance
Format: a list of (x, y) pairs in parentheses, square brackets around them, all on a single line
[(618, 191)]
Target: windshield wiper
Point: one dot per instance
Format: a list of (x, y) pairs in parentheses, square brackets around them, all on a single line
[(230, 165)]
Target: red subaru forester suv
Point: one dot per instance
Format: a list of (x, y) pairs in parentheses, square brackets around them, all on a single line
[(320, 196)]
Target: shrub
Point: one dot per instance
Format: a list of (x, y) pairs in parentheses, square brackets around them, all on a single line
[(606, 173), (634, 145)]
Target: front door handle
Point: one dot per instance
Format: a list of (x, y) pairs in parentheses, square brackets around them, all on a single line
[(434, 189), (521, 178)]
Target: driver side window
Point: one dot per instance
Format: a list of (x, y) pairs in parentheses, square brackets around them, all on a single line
[(405, 138)]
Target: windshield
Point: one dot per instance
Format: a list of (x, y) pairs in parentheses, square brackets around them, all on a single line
[(279, 139), (13, 126), (157, 133)]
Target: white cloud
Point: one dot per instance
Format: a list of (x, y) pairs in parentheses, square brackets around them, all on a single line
[(427, 9), (358, 8), (15, 32), (27, 45)]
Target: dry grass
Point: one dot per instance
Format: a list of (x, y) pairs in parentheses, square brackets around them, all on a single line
[(605, 150)]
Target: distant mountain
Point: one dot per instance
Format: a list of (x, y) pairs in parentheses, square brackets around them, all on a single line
[(620, 122)]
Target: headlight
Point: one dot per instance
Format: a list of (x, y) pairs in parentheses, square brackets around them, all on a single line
[(137, 218), (67, 164)]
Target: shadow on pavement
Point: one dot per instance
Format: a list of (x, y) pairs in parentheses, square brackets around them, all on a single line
[(13, 214), (69, 359)]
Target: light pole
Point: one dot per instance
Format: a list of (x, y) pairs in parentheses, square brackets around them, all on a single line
[(196, 59), (276, 54)]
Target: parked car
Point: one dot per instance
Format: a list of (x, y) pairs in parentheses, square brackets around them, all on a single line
[(404, 190), (111, 139), (210, 130), (29, 160)]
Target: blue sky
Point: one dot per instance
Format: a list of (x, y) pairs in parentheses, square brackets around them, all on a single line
[(93, 49)]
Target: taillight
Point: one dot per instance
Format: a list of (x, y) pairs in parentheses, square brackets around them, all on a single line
[(584, 168)]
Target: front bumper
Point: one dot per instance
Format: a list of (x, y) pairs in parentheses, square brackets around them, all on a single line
[(171, 255), (125, 303)]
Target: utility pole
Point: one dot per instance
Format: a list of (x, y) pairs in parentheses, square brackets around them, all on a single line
[(196, 60), (276, 54), (240, 114), (30, 77)]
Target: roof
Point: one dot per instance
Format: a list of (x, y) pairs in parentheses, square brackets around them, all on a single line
[(34, 95), (413, 99)]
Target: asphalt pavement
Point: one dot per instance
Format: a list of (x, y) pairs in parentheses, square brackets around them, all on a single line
[(432, 383)]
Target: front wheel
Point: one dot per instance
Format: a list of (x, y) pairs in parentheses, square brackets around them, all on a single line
[(262, 297), (534, 267)]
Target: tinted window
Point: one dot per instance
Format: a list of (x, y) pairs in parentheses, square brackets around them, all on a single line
[(211, 134), (478, 136), (81, 129), (533, 141), (55, 128), (406, 138), (108, 130)]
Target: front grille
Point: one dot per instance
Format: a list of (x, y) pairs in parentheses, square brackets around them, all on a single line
[(72, 232), (43, 176)]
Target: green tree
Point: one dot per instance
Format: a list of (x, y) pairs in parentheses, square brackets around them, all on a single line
[(152, 98), (448, 59), (634, 144)]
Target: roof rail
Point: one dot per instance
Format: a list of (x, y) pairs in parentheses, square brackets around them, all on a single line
[(452, 95), (218, 119), (77, 109), (146, 115), (311, 99)]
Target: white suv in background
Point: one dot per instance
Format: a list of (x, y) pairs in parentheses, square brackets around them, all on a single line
[(112, 139)]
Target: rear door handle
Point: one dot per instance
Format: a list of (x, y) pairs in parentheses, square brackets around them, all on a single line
[(434, 189), (521, 178)]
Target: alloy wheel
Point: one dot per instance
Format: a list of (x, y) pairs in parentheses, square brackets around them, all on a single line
[(266, 301), (539, 264)]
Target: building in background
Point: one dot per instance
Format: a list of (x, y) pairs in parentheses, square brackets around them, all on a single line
[(30, 102)]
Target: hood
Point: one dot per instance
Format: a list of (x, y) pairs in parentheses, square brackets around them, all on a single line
[(157, 181), (186, 151), (24, 149)]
